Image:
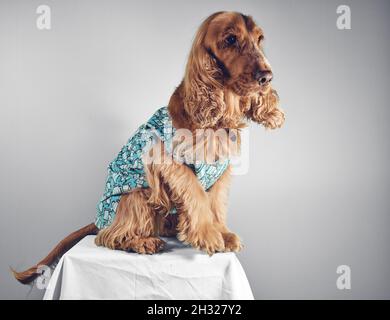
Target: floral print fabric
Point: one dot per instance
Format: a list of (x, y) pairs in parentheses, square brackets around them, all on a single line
[(126, 171)]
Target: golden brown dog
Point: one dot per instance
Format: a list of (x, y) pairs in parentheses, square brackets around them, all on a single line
[(227, 81)]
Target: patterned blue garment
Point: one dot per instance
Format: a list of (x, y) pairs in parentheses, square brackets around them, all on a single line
[(126, 171)]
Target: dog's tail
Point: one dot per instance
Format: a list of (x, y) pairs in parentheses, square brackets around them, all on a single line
[(29, 275)]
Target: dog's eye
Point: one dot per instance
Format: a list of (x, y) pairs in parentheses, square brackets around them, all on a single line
[(261, 38), (230, 40)]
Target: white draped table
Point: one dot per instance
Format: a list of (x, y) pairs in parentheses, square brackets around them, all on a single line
[(179, 272)]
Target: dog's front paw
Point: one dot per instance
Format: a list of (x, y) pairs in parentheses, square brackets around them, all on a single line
[(232, 242), (207, 238), (147, 245)]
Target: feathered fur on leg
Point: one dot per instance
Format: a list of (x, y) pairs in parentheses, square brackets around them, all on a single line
[(218, 196), (134, 227)]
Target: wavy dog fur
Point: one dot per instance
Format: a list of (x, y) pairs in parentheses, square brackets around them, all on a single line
[(30, 274), (223, 87)]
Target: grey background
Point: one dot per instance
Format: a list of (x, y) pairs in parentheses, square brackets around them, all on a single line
[(317, 192)]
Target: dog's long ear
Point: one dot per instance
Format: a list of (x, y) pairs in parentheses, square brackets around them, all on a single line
[(203, 95), (264, 109)]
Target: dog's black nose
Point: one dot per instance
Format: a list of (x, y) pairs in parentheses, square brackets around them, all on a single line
[(263, 77)]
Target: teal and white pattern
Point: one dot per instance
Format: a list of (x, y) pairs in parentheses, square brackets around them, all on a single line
[(126, 171)]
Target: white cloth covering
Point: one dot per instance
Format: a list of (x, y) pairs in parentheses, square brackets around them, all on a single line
[(179, 272)]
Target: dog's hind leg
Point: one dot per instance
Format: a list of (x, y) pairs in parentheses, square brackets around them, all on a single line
[(134, 227)]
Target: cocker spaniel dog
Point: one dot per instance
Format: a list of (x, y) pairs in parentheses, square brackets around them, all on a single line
[(172, 176)]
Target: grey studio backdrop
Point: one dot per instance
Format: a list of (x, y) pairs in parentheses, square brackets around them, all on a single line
[(317, 192)]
